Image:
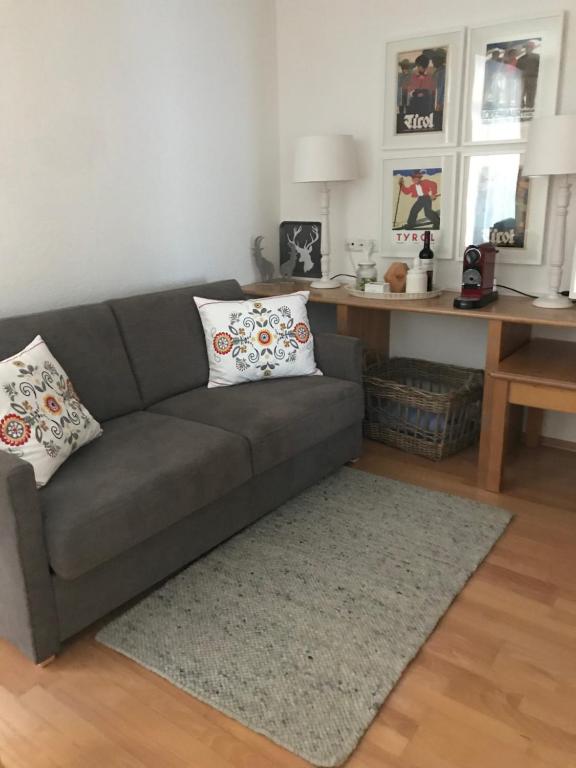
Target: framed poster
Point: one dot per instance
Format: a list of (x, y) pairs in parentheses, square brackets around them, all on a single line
[(502, 206), (418, 194), (300, 254), (573, 278), (511, 76), (422, 91)]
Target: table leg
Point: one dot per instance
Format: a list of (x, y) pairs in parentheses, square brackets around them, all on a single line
[(498, 430), (503, 339), (534, 420), (342, 322), (372, 326)]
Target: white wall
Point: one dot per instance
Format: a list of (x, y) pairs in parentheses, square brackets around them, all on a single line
[(331, 73), (138, 145)]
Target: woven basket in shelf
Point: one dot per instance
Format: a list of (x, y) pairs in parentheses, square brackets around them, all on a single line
[(429, 409)]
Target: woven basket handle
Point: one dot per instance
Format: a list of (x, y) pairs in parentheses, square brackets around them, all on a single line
[(472, 381)]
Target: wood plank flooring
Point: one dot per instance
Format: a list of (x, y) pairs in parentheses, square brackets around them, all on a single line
[(494, 687)]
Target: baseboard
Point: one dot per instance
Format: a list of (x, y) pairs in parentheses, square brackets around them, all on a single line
[(555, 442)]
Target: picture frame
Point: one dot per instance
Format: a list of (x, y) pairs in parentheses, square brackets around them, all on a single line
[(512, 75), (406, 181), (572, 288), (501, 205), (428, 116), (300, 249)]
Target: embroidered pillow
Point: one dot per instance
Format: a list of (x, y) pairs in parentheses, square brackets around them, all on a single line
[(257, 339), (41, 419)]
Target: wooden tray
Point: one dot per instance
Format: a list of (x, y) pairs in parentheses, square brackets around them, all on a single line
[(394, 296)]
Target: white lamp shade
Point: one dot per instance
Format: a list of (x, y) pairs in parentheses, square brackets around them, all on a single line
[(325, 158), (551, 146)]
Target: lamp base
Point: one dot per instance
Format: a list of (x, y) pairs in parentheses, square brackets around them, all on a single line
[(324, 283), (553, 301)]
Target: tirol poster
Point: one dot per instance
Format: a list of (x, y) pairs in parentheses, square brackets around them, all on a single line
[(511, 232), (499, 194), (420, 90), (510, 80), (416, 201)]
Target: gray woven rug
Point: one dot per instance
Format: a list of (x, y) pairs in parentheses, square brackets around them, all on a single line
[(300, 626)]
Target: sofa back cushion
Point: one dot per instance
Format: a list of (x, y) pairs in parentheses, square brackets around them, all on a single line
[(87, 344), (165, 339)]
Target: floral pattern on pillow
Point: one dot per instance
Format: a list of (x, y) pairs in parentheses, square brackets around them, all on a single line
[(262, 337), (41, 417), (252, 340), (45, 408)]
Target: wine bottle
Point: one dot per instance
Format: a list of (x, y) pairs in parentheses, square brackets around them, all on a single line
[(426, 257)]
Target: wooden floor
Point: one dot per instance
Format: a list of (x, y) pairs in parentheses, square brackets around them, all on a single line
[(494, 687)]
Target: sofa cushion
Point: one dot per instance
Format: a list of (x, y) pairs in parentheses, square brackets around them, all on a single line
[(145, 473), (280, 418), (87, 344), (164, 337)]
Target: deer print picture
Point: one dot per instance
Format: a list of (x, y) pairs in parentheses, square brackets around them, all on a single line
[(300, 254)]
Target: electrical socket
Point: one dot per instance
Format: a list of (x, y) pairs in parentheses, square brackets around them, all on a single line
[(359, 244)]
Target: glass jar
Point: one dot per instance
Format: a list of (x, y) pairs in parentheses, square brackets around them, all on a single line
[(365, 273)]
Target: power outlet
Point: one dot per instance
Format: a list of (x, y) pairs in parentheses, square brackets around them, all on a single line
[(358, 244)]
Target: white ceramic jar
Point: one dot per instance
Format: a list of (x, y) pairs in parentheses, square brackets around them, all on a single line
[(416, 281)]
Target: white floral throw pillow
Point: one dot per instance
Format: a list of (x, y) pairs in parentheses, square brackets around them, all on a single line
[(41, 419), (257, 339)]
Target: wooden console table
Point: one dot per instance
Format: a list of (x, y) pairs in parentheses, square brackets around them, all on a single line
[(510, 321)]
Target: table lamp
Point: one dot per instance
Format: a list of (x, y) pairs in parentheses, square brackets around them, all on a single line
[(552, 152), (325, 159)]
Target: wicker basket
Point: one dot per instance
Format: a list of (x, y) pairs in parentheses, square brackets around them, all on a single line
[(426, 408)]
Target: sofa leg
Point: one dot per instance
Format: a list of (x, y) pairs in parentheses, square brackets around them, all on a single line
[(46, 662)]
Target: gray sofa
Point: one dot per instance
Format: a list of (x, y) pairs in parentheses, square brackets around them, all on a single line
[(179, 468)]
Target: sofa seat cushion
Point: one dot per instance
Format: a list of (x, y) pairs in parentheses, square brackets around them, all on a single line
[(280, 418), (145, 473)]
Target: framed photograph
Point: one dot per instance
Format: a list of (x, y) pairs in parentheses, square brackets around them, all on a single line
[(511, 77), (300, 254), (418, 194), (422, 91), (502, 206)]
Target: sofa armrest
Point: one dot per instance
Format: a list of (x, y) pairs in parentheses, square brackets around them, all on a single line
[(27, 608), (339, 356)]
